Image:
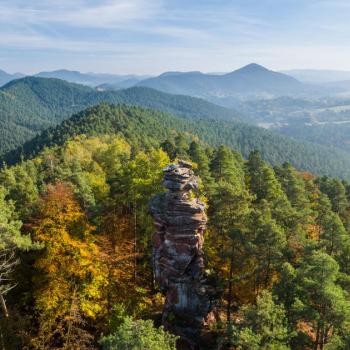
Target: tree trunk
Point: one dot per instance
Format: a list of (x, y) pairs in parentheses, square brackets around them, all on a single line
[(6, 316), (322, 337), (2, 339), (3, 306), (135, 242), (70, 324), (229, 297), (317, 336)]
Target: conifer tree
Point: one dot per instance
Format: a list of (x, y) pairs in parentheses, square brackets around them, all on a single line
[(198, 155), (227, 166), (264, 326), (321, 303)]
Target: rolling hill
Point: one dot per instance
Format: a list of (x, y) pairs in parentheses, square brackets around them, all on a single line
[(91, 79), (32, 104), (148, 128)]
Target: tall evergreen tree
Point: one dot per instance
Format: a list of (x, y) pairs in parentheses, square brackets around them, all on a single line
[(321, 303), (227, 166), (198, 155), (264, 326), (261, 179)]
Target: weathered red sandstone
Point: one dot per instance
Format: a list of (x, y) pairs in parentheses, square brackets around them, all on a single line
[(178, 257)]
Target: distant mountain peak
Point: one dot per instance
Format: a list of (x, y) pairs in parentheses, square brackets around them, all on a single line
[(252, 68), (7, 77), (170, 73)]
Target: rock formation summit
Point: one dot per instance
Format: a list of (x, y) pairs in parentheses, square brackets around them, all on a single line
[(178, 258)]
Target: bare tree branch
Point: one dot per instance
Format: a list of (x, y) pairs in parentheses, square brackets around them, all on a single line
[(8, 262)]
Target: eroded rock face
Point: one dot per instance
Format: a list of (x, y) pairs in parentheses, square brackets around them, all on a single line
[(177, 253)]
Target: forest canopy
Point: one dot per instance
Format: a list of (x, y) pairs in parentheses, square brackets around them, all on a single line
[(277, 244), (148, 128)]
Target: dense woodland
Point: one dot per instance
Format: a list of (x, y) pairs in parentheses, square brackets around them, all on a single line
[(323, 121), (326, 134), (75, 269), (31, 105), (145, 126)]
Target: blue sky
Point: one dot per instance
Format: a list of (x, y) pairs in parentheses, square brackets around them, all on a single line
[(152, 36)]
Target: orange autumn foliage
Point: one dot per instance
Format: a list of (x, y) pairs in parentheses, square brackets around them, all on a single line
[(70, 258)]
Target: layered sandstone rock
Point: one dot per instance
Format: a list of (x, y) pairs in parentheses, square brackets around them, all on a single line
[(177, 253)]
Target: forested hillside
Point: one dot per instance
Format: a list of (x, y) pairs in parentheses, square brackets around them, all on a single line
[(76, 232), (151, 127), (328, 134), (32, 104)]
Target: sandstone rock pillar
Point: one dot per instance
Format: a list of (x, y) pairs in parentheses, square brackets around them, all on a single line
[(178, 259)]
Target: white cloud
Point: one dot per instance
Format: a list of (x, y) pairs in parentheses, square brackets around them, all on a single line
[(107, 14)]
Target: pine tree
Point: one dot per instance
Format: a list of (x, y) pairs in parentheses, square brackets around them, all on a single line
[(169, 148), (321, 303), (138, 334), (264, 326), (265, 243), (227, 166), (262, 180), (181, 146), (198, 155), (11, 241)]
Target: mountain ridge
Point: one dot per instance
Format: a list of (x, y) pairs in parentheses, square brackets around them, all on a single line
[(89, 79), (7, 77), (250, 79)]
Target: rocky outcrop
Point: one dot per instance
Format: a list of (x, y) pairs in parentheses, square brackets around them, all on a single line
[(178, 259)]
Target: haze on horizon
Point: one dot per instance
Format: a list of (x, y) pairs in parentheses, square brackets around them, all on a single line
[(153, 36)]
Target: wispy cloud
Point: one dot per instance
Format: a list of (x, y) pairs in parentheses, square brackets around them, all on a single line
[(104, 14), (156, 35)]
